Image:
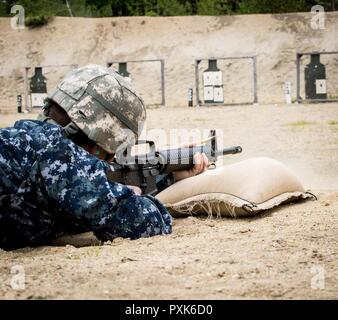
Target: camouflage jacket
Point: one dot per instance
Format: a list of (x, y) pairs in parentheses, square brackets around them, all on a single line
[(50, 186)]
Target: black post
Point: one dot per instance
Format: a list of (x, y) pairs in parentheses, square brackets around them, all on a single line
[(298, 57), (190, 97), (197, 82), (19, 100)]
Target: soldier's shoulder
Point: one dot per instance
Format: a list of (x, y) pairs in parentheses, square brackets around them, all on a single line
[(37, 126), (37, 133)]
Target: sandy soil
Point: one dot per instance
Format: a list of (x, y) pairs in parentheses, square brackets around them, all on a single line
[(278, 255)]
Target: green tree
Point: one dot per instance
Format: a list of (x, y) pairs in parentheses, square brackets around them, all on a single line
[(215, 7), (269, 6), (171, 8), (283, 6), (108, 8)]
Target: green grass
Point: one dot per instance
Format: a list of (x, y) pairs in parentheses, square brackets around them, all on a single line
[(301, 123), (333, 122)]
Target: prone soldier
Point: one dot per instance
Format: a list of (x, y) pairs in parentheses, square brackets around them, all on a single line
[(53, 171)]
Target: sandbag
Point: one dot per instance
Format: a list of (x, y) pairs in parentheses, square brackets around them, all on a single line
[(241, 189)]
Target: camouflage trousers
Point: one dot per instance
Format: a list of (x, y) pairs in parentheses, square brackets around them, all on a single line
[(22, 224)]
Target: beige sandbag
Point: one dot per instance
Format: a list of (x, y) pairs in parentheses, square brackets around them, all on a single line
[(241, 189)]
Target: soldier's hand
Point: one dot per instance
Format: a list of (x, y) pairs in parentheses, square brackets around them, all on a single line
[(201, 164), (135, 189)]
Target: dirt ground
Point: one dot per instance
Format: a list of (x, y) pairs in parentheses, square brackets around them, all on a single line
[(288, 253)]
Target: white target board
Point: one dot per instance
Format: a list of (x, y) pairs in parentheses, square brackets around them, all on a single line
[(321, 86), (213, 78), (38, 99), (208, 93), (218, 94), (208, 78), (218, 78)]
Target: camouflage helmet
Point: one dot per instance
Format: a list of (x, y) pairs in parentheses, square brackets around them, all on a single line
[(102, 104)]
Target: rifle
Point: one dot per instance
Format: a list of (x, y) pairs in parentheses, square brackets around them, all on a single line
[(141, 170)]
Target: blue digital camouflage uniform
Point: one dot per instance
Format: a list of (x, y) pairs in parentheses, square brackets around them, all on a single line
[(49, 186)]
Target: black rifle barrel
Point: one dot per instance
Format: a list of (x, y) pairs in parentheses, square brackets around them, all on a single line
[(164, 161), (183, 158), (231, 150), (185, 155)]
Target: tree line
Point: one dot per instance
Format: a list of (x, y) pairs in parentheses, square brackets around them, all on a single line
[(115, 8)]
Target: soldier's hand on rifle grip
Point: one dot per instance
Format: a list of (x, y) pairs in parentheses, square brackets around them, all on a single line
[(201, 164)]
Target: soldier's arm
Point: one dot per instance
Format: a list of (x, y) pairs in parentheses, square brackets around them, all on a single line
[(165, 180), (77, 183)]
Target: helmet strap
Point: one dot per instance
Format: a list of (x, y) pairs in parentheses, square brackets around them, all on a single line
[(70, 129), (45, 114)]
